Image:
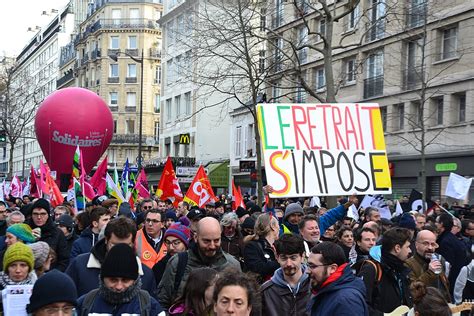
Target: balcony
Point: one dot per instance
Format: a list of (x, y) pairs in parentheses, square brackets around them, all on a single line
[(95, 54), (131, 80), (127, 24), (68, 53), (155, 53), (113, 51), (85, 59), (132, 52), (373, 87), (412, 78), (130, 109), (132, 139), (113, 80), (113, 108), (68, 76)]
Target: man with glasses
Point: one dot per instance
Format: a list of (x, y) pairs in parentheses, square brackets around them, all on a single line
[(84, 269), (149, 245), (288, 291), (336, 291), (424, 267)]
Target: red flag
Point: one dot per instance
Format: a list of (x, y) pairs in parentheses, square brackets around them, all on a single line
[(56, 197), (141, 185), (237, 200), (87, 189), (34, 190), (98, 179), (44, 173), (200, 191), (168, 188)]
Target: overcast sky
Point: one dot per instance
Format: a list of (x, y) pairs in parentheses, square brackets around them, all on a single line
[(17, 16)]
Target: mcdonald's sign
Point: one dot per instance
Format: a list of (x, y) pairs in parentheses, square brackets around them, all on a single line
[(184, 139)]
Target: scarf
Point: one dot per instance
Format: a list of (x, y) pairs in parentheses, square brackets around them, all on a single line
[(118, 298), (332, 278), (6, 280), (393, 262)]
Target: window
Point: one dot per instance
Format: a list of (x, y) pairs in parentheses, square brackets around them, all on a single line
[(276, 92), (383, 114), (130, 127), (375, 65), (351, 71), (263, 19), (321, 29), (168, 110), (158, 74), (250, 142), (170, 72), (113, 99), (377, 18), (132, 42), (114, 70), (157, 131), (416, 114), (261, 61), (132, 70), (116, 16), (439, 110), (449, 43), (177, 102), (416, 13), (400, 108), (353, 18), (157, 103), (238, 141), (115, 126), (131, 99), (114, 42), (134, 16), (302, 40), (320, 79), (461, 107), (187, 102)]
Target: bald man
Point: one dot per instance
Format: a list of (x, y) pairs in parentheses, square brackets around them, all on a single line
[(205, 252), (424, 269)]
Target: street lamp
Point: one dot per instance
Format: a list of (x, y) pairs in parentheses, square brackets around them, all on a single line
[(140, 132)]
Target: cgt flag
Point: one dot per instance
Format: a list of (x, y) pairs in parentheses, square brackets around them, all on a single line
[(168, 188), (200, 192)]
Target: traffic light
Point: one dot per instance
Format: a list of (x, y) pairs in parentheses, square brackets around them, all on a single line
[(3, 137)]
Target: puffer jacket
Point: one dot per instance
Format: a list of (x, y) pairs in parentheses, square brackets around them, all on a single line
[(279, 298), (84, 243)]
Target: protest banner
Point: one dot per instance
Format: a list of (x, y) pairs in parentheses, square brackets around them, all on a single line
[(324, 149)]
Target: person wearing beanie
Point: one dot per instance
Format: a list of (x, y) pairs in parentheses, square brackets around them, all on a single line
[(119, 291), (43, 257), (41, 220), (248, 226), (293, 215), (53, 291), (242, 214), (150, 244), (19, 232), (170, 218), (176, 240), (65, 223)]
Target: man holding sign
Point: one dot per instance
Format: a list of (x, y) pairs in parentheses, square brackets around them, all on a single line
[(324, 149)]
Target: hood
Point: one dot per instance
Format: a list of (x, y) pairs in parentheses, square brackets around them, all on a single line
[(99, 250), (279, 279), (347, 281), (376, 253), (87, 233)]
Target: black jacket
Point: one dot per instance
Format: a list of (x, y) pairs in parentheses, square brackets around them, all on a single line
[(393, 288), (454, 251), (55, 238), (259, 257)]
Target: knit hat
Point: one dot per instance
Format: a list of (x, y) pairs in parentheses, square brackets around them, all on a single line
[(179, 231), (240, 211), (120, 262), (66, 221), (184, 220), (249, 223), (171, 214), (40, 252), (43, 204), (293, 208), (18, 252), (22, 232), (407, 221), (52, 287)]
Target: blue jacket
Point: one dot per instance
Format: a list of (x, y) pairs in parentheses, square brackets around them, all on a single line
[(85, 269), (343, 297), (101, 307), (84, 243)]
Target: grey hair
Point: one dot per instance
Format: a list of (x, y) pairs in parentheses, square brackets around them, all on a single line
[(228, 218), (15, 213)]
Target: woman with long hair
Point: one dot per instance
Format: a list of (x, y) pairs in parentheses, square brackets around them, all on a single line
[(259, 252), (428, 301)]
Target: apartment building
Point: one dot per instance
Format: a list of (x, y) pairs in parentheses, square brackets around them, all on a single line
[(413, 57), (116, 43)]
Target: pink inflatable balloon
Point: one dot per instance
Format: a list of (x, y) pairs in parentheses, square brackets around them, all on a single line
[(71, 117)]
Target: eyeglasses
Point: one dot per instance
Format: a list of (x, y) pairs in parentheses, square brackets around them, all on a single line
[(154, 221), (175, 242), (314, 266), (427, 244), (40, 214), (147, 207), (68, 310)]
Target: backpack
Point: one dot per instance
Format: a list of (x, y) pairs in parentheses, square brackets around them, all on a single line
[(89, 299), (182, 263), (377, 267)]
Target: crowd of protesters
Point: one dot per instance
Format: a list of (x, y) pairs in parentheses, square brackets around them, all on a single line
[(281, 258)]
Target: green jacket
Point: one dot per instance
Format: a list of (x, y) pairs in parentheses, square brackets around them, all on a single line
[(219, 262)]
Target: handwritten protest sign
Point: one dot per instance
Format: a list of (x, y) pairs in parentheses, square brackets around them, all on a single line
[(324, 149)]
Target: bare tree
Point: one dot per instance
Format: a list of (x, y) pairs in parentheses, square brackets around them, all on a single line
[(20, 97)]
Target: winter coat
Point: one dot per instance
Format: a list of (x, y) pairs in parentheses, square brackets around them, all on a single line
[(454, 251), (132, 308), (259, 257), (166, 293), (233, 246), (56, 240), (85, 269), (393, 288), (84, 243), (159, 267), (345, 296), (278, 298)]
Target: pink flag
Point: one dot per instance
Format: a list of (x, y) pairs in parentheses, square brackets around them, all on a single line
[(141, 185), (15, 187), (87, 189), (98, 179)]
